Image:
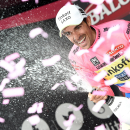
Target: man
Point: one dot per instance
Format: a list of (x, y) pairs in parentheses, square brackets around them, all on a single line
[(74, 23)]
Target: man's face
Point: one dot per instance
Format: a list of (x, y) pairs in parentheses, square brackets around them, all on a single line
[(82, 35)]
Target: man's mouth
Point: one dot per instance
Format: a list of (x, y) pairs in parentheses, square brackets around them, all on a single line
[(82, 40)]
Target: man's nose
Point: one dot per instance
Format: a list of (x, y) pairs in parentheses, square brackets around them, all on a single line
[(76, 36)]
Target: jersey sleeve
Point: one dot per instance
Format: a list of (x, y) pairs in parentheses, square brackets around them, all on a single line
[(87, 74)]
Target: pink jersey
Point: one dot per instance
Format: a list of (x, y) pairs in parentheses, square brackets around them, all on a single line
[(87, 64)]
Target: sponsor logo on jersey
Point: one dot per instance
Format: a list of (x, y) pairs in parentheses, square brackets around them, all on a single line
[(128, 29), (74, 51), (106, 29), (95, 61), (116, 50), (122, 76), (118, 67), (111, 60)]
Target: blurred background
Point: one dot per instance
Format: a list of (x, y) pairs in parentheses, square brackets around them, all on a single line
[(17, 19)]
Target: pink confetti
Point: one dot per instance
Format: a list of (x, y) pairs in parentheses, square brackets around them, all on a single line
[(112, 29), (100, 75), (109, 1), (112, 47), (75, 78), (70, 121), (51, 61), (12, 57), (33, 109), (98, 9), (5, 101), (84, 0), (70, 106), (2, 120), (70, 86), (55, 86), (101, 127), (16, 73), (34, 120), (127, 84), (127, 53), (12, 63), (99, 42), (6, 66), (13, 92), (39, 108), (98, 105), (78, 108), (101, 93), (81, 52), (74, 0), (36, 1), (68, 3), (127, 70), (34, 32), (111, 82), (106, 58), (20, 64), (24, 0), (3, 83)]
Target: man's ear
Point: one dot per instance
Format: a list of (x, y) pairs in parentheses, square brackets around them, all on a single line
[(88, 20)]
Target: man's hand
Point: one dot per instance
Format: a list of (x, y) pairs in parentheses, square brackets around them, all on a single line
[(96, 98)]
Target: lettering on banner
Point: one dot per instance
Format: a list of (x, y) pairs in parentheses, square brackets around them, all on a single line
[(95, 18)]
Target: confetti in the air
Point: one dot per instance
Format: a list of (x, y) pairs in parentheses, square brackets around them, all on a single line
[(127, 70), (34, 32), (3, 83), (99, 42), (20, 64), (24, 0), (127, 53), (16, 73), (70, 86), (106, 58), (127, 84), (100, 76), (111, 30), (55, 86), (34, 120), (78, 108), (101, 93), (70, 121), (101, 127), (36, 107), (39, 108), (112, 47), (111, 82), (13, 92), (81, 52), (12, 57), (51, 61), (98, 9), (2, 120), (75, 78), (36, 1), (5, 101), (33, 109), (6, 66), (98, 105)]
